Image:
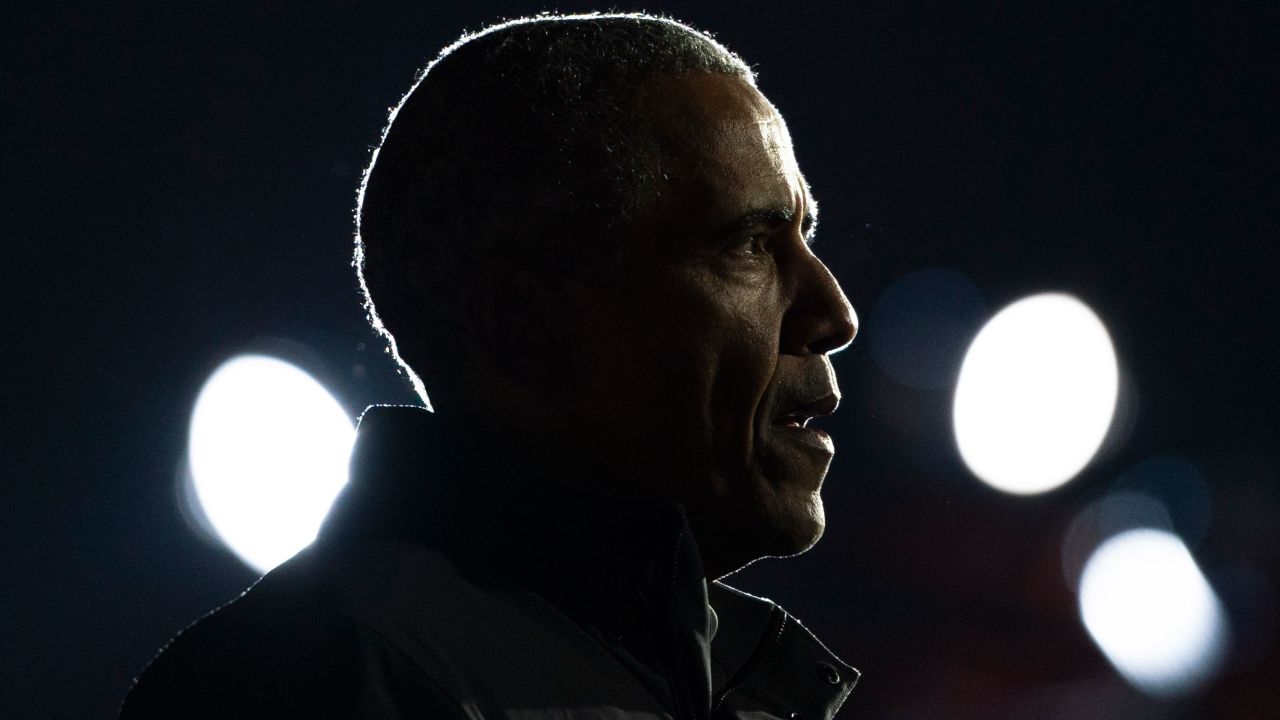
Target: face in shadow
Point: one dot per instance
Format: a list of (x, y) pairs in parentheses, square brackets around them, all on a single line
[(699, 358)]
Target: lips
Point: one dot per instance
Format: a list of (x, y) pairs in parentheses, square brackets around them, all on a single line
[(799, 412)]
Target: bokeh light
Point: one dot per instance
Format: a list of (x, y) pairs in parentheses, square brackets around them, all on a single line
[(921, 325), (1115, 513), (1036, 394), (1151, 611), (268, 452), (1179, 484)]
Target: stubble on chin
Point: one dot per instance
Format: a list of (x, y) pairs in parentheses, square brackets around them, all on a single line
[(780, 520)]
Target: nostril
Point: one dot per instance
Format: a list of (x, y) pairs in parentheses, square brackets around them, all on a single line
[(829, 345), (817, 336), (822, 347), (837, 337)]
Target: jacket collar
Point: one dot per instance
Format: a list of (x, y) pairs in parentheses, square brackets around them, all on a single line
[(415, 478), (613, 563)]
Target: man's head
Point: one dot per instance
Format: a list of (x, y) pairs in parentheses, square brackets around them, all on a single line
[(590, 236)]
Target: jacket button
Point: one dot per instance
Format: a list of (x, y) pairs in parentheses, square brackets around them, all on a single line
[(828, 673)]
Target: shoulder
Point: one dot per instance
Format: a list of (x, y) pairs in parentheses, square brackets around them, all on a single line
[(288, 647)]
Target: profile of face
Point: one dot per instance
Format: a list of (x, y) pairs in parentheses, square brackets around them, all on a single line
[(699, 360)]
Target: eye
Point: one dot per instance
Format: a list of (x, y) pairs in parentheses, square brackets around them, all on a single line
[(754, 243)]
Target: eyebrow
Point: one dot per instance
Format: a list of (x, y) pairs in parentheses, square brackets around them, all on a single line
[(772, 217)]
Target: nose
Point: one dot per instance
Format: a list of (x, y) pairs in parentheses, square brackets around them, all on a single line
[(820, 320)]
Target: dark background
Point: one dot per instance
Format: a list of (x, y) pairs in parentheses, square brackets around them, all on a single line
[(178, 188)]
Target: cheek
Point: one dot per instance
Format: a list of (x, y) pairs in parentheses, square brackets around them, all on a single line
[(731, 334), (680, 373), (645, 367), (746, 361)]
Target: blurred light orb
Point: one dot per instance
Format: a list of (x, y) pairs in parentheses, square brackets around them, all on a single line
[(1151, 611), (1036, 394), (268, 449), (1114, 513), (1179, 484), (921, 325)]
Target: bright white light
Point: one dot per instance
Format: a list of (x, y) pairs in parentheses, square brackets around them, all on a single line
[(1146, 604), (1036, 394), (269, 448)]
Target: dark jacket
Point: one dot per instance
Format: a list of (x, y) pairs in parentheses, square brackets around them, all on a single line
[(449, 582)]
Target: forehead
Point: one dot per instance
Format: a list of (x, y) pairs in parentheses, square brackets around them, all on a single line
[(725, 150)]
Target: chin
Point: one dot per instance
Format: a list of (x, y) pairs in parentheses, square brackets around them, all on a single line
[(780, 527), (796, 526), (774, 517)]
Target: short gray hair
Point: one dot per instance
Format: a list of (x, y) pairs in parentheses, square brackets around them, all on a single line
[(521, 142)]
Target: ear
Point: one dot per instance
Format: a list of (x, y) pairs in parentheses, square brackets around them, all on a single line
[(523, 326)]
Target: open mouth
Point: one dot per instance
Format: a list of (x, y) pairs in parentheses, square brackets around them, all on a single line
[(795, 421), (800, 413)]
